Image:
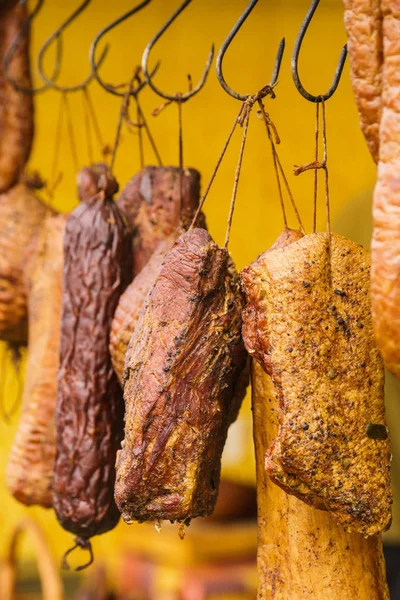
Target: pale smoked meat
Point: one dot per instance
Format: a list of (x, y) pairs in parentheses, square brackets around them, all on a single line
[(153, 205), (130, 303), (21, 215), (385, 247), (303, 552), (186, 365), (30, 467), (310, 308), (363, 22)]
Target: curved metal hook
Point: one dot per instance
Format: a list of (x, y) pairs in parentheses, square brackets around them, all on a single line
[(109, 87), (295, 61), (225, 46), (145, 60), (14, 45), (50, 82)]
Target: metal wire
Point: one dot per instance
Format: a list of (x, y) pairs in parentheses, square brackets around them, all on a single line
[(295, 61), (50, 81), (24, 31), (227, 43), (145, 59), (109, 87)]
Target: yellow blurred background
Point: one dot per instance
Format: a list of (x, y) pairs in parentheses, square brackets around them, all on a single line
[(207, 119)]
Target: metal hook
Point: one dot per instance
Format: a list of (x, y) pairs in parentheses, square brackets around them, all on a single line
[(225, 46), (49, 41), (295, 60), (109, 87), (14, 45), (145, 59)]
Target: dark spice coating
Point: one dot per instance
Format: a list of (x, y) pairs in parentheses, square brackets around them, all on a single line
[(16, 108), (89, 414), (311, 309), (186, 362), (152, 203)]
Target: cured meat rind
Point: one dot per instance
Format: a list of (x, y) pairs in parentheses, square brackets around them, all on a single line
[(385, 272), (181, 378), (363, 22), (309, 310)]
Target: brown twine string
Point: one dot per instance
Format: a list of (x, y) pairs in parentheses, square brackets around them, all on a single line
[(55, 175), (278, 166), (148, 132), (121, 117), (70, 129), (180, 137), (327, 201), (104, 148), (86, 118), (319, 164), (247, 110), (215, 171), (140, 134), (316, 170)]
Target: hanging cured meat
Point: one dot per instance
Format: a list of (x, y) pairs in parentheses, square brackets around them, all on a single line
[(363, 21), (309, 324), (183, 385), (31, 463)]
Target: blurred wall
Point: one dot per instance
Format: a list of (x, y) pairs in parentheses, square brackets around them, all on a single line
[(207, 119)]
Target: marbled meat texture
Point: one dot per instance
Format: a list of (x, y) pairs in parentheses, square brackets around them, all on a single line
[(186, 365), (16, 107), (309, 310), (363, 22), (21, 216), (130, 303), (30, 466), (385, 247), (153, 205), (89, 414)]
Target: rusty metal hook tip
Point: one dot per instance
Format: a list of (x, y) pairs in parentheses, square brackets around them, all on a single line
[(14, 45), (109, 87), (227, 43), (145, 59), (295, 61), (56, 34)]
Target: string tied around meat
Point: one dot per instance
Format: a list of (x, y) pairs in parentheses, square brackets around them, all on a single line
[(84, 544)]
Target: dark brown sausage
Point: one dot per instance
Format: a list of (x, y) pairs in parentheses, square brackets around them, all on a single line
[(89, 414)]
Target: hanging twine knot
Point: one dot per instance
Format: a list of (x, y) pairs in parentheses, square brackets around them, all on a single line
[(315, 164), (248, 104)]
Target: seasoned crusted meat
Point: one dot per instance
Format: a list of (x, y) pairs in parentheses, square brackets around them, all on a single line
[(309, 313)]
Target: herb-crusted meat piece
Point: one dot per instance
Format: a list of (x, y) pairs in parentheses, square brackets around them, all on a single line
[(181, 378), (309, 309)]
